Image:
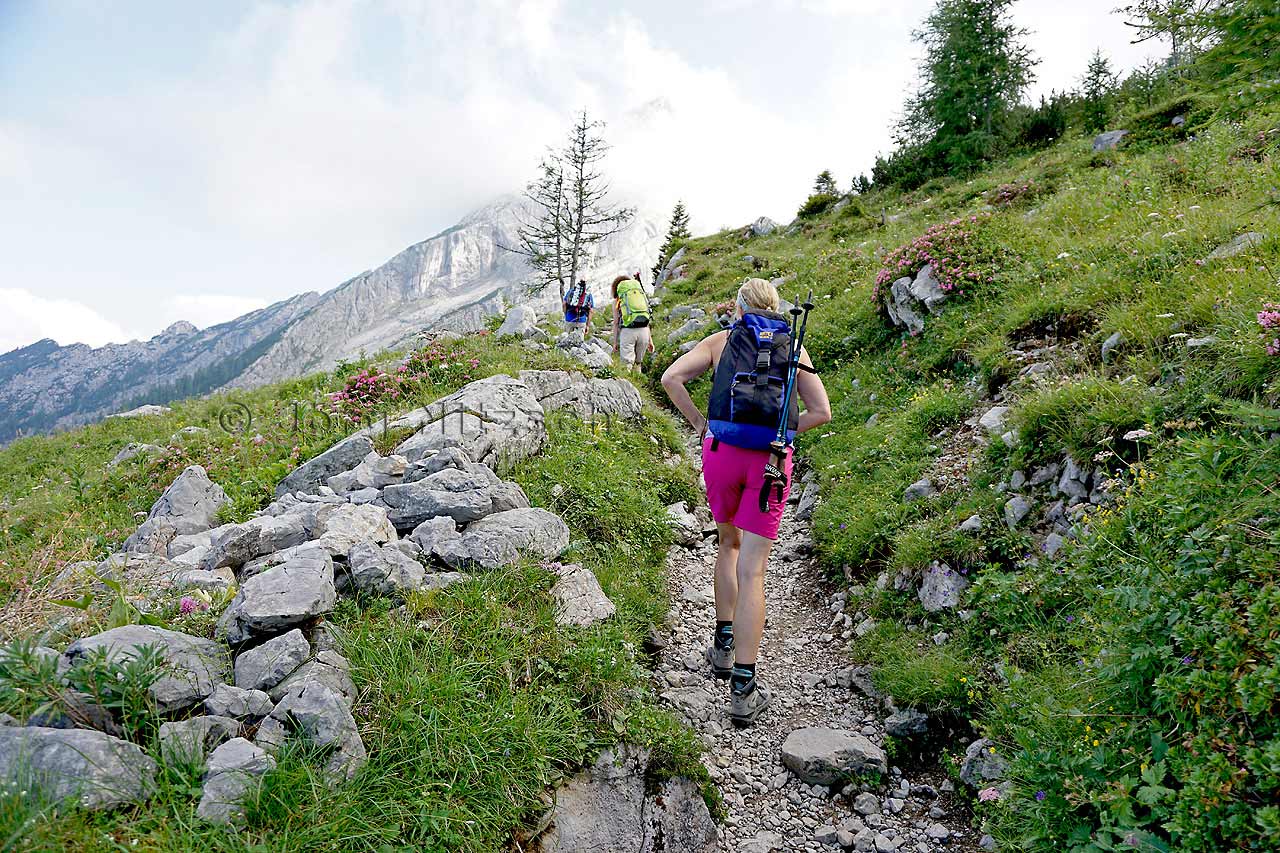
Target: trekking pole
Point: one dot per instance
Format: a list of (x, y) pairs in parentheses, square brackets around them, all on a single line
[(774, 477)]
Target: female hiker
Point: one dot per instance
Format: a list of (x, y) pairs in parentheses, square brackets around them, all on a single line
[(745, 413), (578, 307), (631, 338)]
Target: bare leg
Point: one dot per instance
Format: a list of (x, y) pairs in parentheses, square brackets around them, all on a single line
[(727, 572), (748, 617)]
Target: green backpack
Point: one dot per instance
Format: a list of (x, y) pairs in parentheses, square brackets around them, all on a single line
[(635, 305)]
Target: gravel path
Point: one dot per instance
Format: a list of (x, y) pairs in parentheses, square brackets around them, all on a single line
[(804, 660)]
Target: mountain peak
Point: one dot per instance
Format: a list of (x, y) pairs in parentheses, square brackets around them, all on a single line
[(182, 327)]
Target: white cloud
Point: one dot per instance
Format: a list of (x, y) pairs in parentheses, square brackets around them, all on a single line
[(26, 318), (210, 309)]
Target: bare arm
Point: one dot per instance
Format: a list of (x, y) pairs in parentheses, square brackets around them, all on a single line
[(684, 369), (817, 407)]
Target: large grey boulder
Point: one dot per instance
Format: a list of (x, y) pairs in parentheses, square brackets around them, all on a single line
[(313, 473), (233, 545), (434, 534), (496, 421), (237, 702), (684, 524), (265, 666), (583, 395), (822, 756), (1108, 140), (505, 537), (919, 490), (373, 472), (763, 226), (941, 588), (1237, 246), (609, 807), (322, 717), (684, 330), (193, 666), (132, 450), (189, 505), (98, 770), (280, 598), (232, 771), (982, 764), (383, 569), (189, 741), (994, 421), (520, 322), (578, 597), (808, 502), (464, 496), (338, 527), (327, 668)]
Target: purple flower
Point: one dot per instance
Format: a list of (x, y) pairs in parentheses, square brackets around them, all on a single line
[(1040, 795), (190, 605)]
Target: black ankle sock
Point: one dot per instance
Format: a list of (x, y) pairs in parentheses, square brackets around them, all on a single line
[(743, 679), (723, 637)]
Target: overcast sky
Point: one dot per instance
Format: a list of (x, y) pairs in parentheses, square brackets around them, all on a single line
[(166, 160)]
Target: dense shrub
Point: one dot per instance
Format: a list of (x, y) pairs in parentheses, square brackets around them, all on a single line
[(816, 204)]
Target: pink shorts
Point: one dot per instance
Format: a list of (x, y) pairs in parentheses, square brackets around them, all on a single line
[(733, 477)]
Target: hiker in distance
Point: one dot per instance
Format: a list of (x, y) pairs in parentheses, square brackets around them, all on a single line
[(759, 365), (631, 336), (579, 305)]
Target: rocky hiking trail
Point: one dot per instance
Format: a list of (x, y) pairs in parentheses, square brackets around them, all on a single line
[(783, 780)]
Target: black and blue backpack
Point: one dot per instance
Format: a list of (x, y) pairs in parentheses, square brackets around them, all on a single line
[(746, 391)]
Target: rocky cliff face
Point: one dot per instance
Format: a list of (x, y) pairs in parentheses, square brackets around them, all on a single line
[(454, 280)]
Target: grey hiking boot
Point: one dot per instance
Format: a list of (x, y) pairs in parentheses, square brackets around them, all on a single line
[(743, 709), (721, 660)]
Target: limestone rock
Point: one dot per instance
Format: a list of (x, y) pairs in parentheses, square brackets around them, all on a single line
[(100, 771), (505, 537), (993, 420), (434, 534), (189, 505), (188, 741), (579, 598), (906, 722), (822, 756), (918, 491), (608, 808), (583, 395), (313, 473), (808, 502), (496, 421), (265, 666), (234, 545), (982, 764), (1108, 140), (688, 531), (520, 322), (1237, 246), (327, 668), (232, 770), (941, 588), (280, 598), (383, 570), (228, 701), (193, 665)]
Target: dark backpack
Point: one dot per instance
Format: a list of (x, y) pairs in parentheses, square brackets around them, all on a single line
[(746, 391)]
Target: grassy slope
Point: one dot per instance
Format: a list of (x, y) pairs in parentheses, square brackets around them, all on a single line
[(471, 702), (1133, 682)]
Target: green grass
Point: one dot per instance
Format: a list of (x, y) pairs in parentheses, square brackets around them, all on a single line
[(1104, 245)]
